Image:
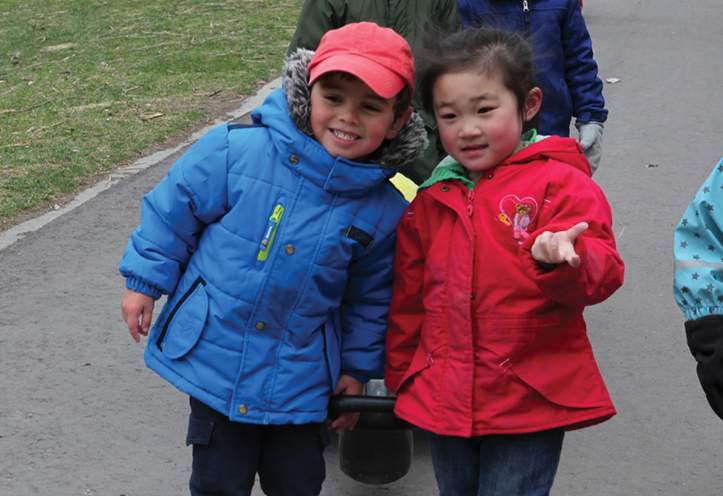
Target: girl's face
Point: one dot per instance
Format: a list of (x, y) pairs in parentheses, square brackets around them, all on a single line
[(479, 121)]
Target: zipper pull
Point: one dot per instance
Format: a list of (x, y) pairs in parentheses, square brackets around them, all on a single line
[(526, 11), (470, 199), (268, 233)]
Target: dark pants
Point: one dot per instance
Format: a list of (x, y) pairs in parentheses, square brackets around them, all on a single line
[(496, 465), (227, 455)]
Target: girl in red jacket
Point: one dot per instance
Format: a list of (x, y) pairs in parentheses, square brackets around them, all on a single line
[(497, 257)]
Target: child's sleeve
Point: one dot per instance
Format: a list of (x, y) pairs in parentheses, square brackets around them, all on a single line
[(192, 195), (448, 16), (581, 69), (364, 310), (570, 199), (407, 310), (698, 284)]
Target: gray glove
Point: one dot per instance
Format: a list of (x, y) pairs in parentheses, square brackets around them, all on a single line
[(590, 139)]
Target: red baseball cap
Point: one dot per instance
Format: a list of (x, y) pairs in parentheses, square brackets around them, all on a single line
[(378, 56)]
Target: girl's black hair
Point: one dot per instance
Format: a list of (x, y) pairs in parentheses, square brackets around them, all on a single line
[(494, 53)]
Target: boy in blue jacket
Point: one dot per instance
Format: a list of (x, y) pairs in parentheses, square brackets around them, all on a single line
[(274, 242), (565, 68)]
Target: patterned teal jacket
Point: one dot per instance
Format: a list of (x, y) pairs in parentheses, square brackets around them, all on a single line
[(698, 283)]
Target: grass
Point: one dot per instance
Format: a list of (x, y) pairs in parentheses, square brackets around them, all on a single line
[(88, 85)]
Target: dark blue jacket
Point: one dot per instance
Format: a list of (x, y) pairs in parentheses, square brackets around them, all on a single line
[(561, 44)]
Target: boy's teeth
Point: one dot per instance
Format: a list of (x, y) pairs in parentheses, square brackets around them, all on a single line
[(344, 135)]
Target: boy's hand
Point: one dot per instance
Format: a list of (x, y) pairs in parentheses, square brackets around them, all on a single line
[(347, 385), (137, 306), (556, 248)]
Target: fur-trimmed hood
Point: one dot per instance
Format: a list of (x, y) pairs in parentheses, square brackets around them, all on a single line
[(411, 140)]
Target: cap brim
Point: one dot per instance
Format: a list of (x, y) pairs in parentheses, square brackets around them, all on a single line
[(382, 81)]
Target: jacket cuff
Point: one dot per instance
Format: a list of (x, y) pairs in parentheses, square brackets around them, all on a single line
[(359, 376), (552, 275), (705, 340), (141, 287), (601, 116), (393, 379)]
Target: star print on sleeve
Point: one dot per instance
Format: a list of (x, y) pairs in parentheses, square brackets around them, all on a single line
[(698, 248)]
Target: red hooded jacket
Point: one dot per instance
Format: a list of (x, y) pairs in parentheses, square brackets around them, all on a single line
[(481, 339)]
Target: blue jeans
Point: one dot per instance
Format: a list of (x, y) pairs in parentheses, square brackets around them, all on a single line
[(496, 465), (227, 456)]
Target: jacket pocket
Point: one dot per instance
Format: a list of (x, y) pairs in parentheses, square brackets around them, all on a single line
[(199, 431), (552, 357), (421, 361), (185, 323)]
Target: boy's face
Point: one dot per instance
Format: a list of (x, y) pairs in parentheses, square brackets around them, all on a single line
[(348, 118)]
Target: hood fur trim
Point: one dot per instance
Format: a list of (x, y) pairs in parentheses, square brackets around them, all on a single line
[(410, 142)]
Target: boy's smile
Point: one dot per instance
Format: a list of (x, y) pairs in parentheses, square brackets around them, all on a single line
[(348, 118)]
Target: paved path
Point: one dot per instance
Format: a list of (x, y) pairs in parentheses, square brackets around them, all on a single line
[(80, 414)]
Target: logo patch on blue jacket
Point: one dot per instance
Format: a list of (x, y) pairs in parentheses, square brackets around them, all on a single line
[(364, 239)]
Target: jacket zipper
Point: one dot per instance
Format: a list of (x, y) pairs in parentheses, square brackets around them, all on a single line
[(470, 205), (162, 336), (269, 233), (326, 351), (526, 15)]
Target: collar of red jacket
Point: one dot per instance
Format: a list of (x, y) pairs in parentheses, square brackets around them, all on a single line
[(536, 147)]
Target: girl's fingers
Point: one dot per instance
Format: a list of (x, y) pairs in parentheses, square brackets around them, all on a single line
[(577, 230), (553, 253), (559, 247), (568, 249), (572, 258)]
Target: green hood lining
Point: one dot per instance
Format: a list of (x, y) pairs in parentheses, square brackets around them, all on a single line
[(449, 168)]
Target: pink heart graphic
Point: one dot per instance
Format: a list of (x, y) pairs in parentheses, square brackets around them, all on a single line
[(510, 204)]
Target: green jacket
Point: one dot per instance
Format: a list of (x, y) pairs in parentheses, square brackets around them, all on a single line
[(406, 17)]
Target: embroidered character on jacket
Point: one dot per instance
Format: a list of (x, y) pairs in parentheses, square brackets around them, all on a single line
[(518, 213)]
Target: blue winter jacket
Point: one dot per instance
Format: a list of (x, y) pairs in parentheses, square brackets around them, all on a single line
[(278, 261), (565, 68)]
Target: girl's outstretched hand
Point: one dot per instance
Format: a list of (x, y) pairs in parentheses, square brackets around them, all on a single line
[(556, 248)]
